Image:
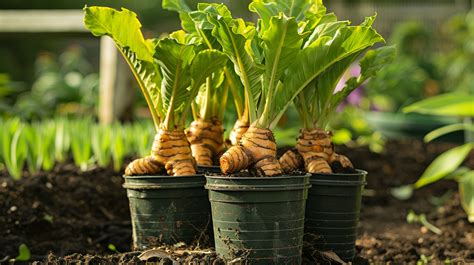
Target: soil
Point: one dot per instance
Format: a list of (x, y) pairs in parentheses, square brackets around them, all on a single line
[(67, 216)]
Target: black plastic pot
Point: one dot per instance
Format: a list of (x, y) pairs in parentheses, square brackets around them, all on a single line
[(332, 212), (260, 220), (167, 210), (208, 170)]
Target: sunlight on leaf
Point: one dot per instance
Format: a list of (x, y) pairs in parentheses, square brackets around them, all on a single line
[(444, 165), (447, 129), (449, 104)]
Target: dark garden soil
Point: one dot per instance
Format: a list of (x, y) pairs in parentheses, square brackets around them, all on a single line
[(66, 216)]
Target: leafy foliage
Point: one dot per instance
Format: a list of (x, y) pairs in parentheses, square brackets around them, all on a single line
[(161, 67), (42, 145), (449, 163), (319, 99), (14, 150), (449, 104)]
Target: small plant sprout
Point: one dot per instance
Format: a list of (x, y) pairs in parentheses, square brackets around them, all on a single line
[(170, 71), (14, 149), (101, 141), (118, 148), (413, 218), (333, 45), (81, 145), (24, 254), (62, 142)]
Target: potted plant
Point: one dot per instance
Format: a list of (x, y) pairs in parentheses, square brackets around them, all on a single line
[(167, 201), (206, 133), (289, 49), (334, 200)]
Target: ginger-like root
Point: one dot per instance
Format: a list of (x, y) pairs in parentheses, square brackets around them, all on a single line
[(342, 159), (170, 151), (240, 127), (207, 141), (291, 160), (143, 166), (256, 151), (317, 150)]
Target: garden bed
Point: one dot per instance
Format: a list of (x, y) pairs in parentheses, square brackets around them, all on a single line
[(66, 215)]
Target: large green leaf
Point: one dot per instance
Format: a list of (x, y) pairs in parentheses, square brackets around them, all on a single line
[(281, 44), (176, 5), (306, 11), (316, 58), (175, 61), (207, 64), (328, 26), (182, 8), (123, 26), (125, 29), (449, 104), (444, 164), (235, 37)]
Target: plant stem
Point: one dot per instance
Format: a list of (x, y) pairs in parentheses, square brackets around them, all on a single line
[(207, 115), (151, 107)]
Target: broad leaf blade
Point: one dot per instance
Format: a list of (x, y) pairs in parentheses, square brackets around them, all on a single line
[(235, 36), (444, 164), (175, 60), (123, 26), (207, 63), (281, 44), (182, 8), (313, 60), (302, 10), (449, 104), (125, 29)]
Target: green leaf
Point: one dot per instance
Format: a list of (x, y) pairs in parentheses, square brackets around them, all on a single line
[(235, 37), (175, 61), (208, 64), (176, 5), (184, 10), (307, 11), (327, 27), (370, 65), (444, 164), (23, 253), (123, 26), (205, 64), (447, 129), (318, 57), (125, 29), (281, 44), (14, 149), (466, 192), (449, 104)]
